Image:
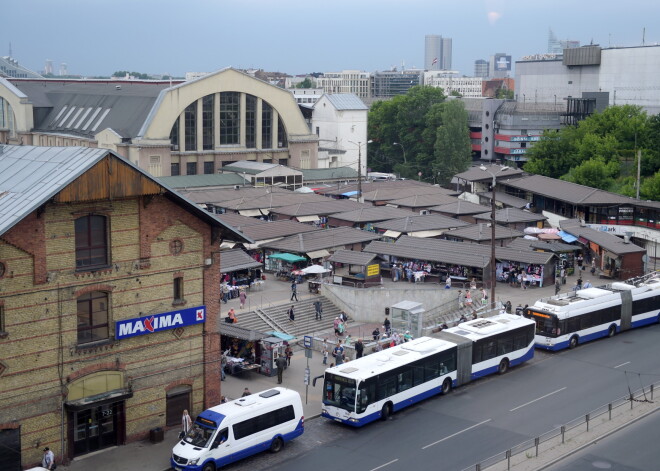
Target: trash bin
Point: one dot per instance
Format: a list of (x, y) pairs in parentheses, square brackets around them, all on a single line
[(156, 435)]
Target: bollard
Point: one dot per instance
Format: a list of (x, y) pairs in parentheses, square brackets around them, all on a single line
[(563, 432), (631, 401), (536, 444), (477, 467), (508, 459), (587, 417), (651, 391), (609, 408)]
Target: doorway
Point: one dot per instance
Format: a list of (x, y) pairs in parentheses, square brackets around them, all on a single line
[(96, 427)]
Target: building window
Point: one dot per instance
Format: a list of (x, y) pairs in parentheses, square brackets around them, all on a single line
[(91, 242), (209, 168), (3, 332), (191, 168), (230, 118), (3, 270), (266, 126), (281, 135), (190, 126), (207, 122), (174, 136), (175, 169), (178, 290), (92, 317)]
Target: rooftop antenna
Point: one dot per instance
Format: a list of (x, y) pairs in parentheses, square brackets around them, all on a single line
[(643, 36)]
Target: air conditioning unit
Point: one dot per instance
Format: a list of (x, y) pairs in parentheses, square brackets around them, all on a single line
[(424, 212)]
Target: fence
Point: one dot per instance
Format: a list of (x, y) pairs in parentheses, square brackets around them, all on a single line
[(579, 432)]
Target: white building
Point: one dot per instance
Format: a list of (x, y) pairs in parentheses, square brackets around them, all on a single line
[(340, 122), (306, 96), (629, 75), (448, 80), (346, 81)]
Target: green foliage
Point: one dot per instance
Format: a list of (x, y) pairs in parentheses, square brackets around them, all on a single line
[(137, 75), (504, 94), (596, 173), (650, 188), (453, 150), (307, 83)]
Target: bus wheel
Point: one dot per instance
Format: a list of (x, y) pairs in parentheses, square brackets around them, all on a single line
[(386, 411), (504, 366), (446, 386), (276, 445), (209, 467), (611, 331), (573, 342)]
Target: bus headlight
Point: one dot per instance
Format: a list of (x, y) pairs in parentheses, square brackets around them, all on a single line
[(194, 461), (324, 411), (353, 420)]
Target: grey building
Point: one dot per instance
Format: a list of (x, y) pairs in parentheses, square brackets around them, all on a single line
[(437, 52), (391, 83), (481, 68)]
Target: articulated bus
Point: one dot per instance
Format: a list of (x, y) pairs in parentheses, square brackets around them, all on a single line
[(376, 385), (566, 320)]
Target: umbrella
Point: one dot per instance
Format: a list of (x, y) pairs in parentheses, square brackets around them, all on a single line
[(314, 269), (297, 272), (287, 257)]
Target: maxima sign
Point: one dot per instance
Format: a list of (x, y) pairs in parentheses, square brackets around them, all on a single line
[(157, 322)]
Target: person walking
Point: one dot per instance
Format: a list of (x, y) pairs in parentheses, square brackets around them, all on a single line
[(288, 353), (318, 309), (292, 315), (468, 299), (186, 423), (48, 461), (242, 296), (387, 326), (223, 365), (461, 299), (246, 392), (376, 334), (448, 282), (325, 354), (484, 297), (294, 290), (338, 353), (557, 286), (280, 363), (359, 349)]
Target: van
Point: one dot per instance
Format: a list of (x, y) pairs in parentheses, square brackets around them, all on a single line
[(240, 428)]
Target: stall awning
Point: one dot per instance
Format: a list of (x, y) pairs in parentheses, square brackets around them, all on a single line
[(281, 335), (350, 193), (231, 330), (227, 245), (425, 234), (307, 218), (393, 234), (249, 212), (287, 257), (318, 253), (566, 237), (259, 243)]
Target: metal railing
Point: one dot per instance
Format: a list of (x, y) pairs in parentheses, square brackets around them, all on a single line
[(521, 453)]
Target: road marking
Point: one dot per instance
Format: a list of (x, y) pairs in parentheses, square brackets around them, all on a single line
[(537, 399), (454, 434), (386, 464), (622, 364)]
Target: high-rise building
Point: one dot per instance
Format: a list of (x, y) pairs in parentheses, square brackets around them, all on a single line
[(481, 68), (499, 65), (437, 52), (63, 69), (390, 83), (557, 46), (49, 67)]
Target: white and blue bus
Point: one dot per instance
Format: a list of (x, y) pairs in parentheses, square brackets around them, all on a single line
[(567, 320), (377, 385)]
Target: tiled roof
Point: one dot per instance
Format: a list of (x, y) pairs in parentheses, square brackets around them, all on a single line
[(352, 257), (421, 223), (371, 214), (479, 232), (475, 174), (511, 215), (319, 208), (460, 208), (235, 260), (323, 239)]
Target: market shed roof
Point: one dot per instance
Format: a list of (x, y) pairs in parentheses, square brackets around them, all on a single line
[(337, 237), (511, 216), (425, 222), (460, 208), (235, 260), (609, 242), (479, 232), (352, 257)]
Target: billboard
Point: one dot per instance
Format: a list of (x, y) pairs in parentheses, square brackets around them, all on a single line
[(159, 322), (502, 62)]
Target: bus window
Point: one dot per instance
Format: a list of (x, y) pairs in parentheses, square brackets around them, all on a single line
[(366, 393), (546, 324), (339, 392)]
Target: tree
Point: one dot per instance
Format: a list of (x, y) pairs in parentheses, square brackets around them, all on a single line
[(650, 188), (596, 173), (504, 94), (453, 150), (307, 83)]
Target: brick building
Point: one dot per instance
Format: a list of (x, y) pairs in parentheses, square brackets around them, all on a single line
[(108, 303)]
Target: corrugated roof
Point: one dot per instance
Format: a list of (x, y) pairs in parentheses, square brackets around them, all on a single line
[(460, 208), (252, 198), (425, 200), (607, 241), (30, 176), (371, 214), (352, 257), (238, 221), (479, 232), (248, 166), (319, 208), (313, 174), (421, 223), (508, 200), (475, 174), (274, 229), (210, 180), (323, 239), (367, 187), (235, 260), (511, 215), (448, 255), (345, 101)]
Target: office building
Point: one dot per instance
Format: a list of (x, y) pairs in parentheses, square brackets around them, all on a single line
[(437, 52), (481, 68), (389, 83)]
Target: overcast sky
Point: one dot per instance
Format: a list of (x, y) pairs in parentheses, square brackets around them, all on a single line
[(98, 37)]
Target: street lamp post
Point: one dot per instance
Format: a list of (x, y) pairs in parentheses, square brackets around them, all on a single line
[(359, 146), (403, 149), (493, 270)]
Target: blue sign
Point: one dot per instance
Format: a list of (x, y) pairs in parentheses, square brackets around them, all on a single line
[(158, 322)]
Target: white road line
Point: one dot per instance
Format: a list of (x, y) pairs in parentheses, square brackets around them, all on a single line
[(454, 434), (537, 399), (622, 364), (386, 464)]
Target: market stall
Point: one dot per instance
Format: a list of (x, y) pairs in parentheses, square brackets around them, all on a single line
[(283, 263), (352, 268), (242, 349)]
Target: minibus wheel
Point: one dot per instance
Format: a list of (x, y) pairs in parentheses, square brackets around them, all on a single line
[(209, 466), (276, 445)]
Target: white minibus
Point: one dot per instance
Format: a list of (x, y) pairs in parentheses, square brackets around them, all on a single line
[(240, 428)]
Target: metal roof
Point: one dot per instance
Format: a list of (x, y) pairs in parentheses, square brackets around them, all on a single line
[(421, 223), (235, 331), (252, 198), (511, 215), (313, 174), (319, 208), (238, 221), (351, 257), (209, 180), (345, 101), (30, 176), (508, 200), (450, 254), (388, 185), (475, 174), (479, 232), (460, 208), (248, 166), (235, 260), (607, 241), (425, 200), (275, 229), (323, 239), (371, 214)]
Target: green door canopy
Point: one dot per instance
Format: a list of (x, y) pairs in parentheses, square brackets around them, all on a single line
[(287, 257)]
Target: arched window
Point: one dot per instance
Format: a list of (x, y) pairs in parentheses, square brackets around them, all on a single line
[(92, 317), (91, 242)]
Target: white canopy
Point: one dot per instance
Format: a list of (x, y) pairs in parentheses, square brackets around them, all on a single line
[(314, 269)]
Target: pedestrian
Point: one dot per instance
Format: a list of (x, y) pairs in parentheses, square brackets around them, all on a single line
[(223, 400), (318, 309), (593, 266), (448, 282), (587, 284), (186, 423), (376, 334), (557, 286), (338, 353), (225, 292), (242, 296), (563, 275), (288, 353), (359, 349), (387, 326), (341, 328), (468, 299), (473, 284), (231, 315), (294, 290), (508, 307), (578, 283), (348, 340), (461, 299), (246, 392), (407, 337), (292, 315), (580, 261), (325, 354), (343, 317), (335, 324), (48, 460), (280, 363), (223, 365), (462, 318), (484, 297)]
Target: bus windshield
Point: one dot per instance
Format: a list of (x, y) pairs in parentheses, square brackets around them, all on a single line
[(339, 392), (546, 324), (199, 435)]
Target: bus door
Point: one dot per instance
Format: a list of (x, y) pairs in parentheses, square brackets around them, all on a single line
[(463, 356), (626, 310)]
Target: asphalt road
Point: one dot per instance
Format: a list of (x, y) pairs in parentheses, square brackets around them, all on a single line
[(483, 418)]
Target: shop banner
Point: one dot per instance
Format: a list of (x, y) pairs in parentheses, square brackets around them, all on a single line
[(158, 322)]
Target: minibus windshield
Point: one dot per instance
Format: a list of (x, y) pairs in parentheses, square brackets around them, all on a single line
[(199, 435)]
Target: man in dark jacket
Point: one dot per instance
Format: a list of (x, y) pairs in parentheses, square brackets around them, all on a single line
[(281, 364), (359, 348)]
